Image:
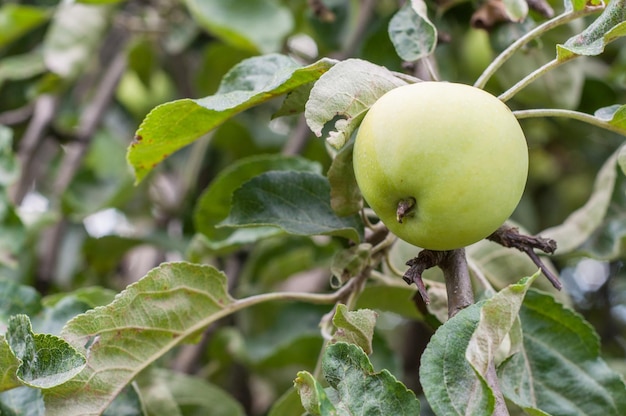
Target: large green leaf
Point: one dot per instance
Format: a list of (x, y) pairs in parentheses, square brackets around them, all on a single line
[(174, 125), (296, 202), (450, 384), (341, 97), (254, 25), (411, 32), (355, 388), (215, 202), (171, 303), (558, 368)]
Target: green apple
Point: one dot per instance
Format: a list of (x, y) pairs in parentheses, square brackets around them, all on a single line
[(443, 165)]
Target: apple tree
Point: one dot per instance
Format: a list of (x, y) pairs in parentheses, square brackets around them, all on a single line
[(200, 214)]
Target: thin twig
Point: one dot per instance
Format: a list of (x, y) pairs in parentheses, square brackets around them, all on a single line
[(571, 114), (533, 34), (510, 237), (44, 110)]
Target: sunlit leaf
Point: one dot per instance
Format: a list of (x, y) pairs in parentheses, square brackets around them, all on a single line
[(609, 26), (254, 25), (46, 360), (174, 125), (559, 369), (296, 202), (580, 224), (342, 96), (172, 302), (411, 32)]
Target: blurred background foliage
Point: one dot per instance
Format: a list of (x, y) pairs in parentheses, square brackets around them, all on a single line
[(76, 79)]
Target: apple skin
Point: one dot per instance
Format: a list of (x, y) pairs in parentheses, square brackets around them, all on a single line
[(454, 154)]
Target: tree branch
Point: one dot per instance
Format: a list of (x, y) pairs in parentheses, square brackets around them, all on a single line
[(454, 266)]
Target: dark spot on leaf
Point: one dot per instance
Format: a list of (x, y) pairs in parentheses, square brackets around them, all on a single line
[(136, 140)]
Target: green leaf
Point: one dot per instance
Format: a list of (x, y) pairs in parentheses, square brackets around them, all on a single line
[(171, 303), (287, 404), (9, 168), (127, 403), (17, 299), (17, 20), (253, 25), (609, 26), (355, 327), (580, 224), (185, 392), (24, 66), (361, 391), (559, 369), (341, 97), (412, 33), (621, 159), (215, 202), (349, 262), (390, 298), (296, 202), (345, 196), (497, 317), (69, 47), (174, 125), (615, 115), (516, 10), (450, 384), (313, 396), (9, 365), (46, 360), (22, 401)]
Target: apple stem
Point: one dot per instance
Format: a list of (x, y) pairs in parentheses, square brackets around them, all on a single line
[(510, 237), (405, 208)]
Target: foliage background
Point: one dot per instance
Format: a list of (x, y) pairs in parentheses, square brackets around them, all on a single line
[(76, 81)]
